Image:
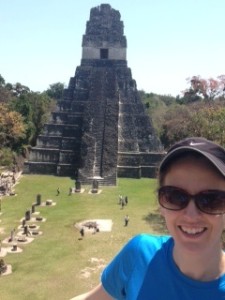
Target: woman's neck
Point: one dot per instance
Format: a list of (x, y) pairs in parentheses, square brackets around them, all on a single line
[(200, 267)]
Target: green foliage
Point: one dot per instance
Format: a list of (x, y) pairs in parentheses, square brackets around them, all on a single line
[(153, 101), (12, 128), (7, 157), (35, 108), (56, 90), (175, 125), (23, 113), (156, 107), (209, 121), (18, 89), (2, 81), (5, 95), (190, 96), (180, 117)]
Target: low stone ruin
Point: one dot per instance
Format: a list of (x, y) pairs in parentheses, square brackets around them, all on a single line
[(94, 189), (3, 266), (95, 225), (7, 182), (90, 225)]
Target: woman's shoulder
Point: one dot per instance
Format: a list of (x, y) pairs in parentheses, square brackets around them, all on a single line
[(148, 242), (150, 239)]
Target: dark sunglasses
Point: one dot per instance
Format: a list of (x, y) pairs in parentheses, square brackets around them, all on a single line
[(210, 201)]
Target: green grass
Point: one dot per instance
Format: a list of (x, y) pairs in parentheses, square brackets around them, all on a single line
[(53, 265)]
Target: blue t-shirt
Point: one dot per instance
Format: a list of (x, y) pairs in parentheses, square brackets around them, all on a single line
[(145, 270)]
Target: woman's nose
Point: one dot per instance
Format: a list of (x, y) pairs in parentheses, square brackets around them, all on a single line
[(191, 209)]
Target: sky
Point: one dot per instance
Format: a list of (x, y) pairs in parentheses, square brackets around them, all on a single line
[(168, 41)]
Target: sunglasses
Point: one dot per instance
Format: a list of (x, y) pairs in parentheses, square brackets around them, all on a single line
[(210, 201)]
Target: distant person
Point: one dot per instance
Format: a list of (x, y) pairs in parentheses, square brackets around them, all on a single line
[(70, 191), (126, 220), (188, 264), (82, 232), (58, 191), (122, 203), (96, 229)]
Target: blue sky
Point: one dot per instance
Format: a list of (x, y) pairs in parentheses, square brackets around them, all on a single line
[(168, 41)]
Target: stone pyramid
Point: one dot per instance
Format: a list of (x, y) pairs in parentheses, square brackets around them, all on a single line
[(100, 130)]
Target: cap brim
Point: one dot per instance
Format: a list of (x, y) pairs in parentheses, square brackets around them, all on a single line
[(214, 160)]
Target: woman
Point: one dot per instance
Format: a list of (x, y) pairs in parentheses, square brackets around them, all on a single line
[(190, 263)]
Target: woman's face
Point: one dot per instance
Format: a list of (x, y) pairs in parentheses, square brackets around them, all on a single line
[(194, 231)]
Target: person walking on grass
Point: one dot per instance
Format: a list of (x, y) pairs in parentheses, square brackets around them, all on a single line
[(82, 232), (126, 220), (189, 263)]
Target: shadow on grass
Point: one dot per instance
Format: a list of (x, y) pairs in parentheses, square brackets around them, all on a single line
[(156, 222)]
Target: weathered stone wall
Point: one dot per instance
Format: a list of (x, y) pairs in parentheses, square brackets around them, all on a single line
[(44, 155), (40, 168), (138, 165), (99, 142), (95, 53), (104, 30)]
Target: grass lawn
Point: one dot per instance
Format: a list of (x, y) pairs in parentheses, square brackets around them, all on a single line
[(57, 264)]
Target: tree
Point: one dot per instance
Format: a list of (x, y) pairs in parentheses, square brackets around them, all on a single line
[(18, 89), (22, 116), (206, 88), (209, 122), (56, 90), (175, 124), (12, 128), (2, 81), (43, 106), (5, 95), (156, 107), (7, 157), (35, 109)]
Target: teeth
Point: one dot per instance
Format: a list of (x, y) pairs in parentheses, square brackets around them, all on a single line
[(192, 230)]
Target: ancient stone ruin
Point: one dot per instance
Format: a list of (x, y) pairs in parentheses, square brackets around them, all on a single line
[(100, 130), (7, 182), (3, 266)]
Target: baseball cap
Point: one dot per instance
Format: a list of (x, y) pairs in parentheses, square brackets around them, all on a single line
[(210, 150)]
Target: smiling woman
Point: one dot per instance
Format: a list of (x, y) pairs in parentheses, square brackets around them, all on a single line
[(190, 263)]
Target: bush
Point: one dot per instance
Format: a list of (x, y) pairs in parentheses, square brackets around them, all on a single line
[(6, 157)]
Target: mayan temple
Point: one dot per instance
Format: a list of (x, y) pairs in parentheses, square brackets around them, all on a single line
[(100, 129)]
